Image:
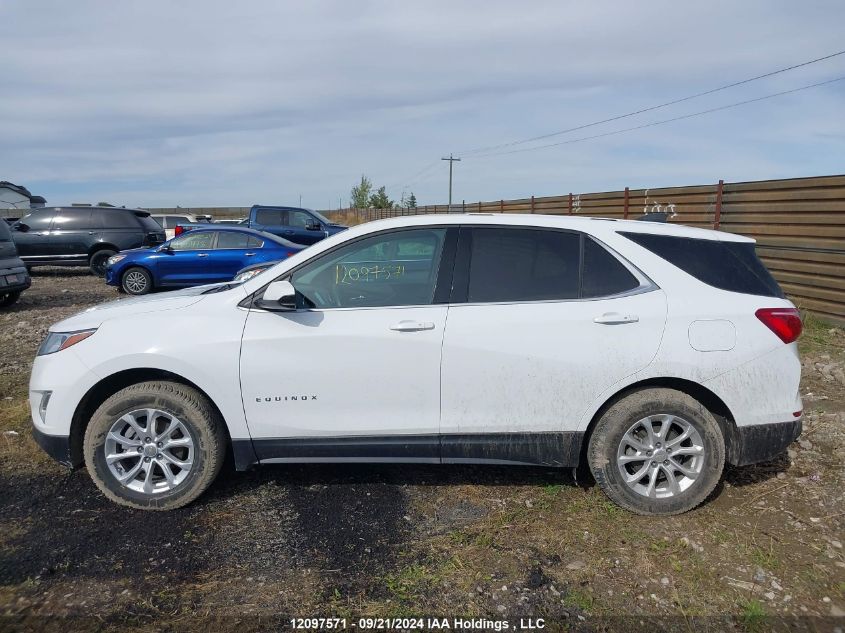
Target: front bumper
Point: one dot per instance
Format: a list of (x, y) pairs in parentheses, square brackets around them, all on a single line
[(56, 446), (760, 442)]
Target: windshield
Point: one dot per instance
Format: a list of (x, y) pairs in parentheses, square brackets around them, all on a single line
[(320, 216)]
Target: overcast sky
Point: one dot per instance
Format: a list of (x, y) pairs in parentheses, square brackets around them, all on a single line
[(201, 103)]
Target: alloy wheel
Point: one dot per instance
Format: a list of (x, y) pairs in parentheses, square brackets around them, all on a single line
[(149, 451), (660, 456), (135, 281)]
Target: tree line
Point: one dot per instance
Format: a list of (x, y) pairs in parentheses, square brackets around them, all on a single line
[(365, 196)]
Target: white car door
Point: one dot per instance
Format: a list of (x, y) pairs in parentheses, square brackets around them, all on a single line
[(354, 372), (531, 342)]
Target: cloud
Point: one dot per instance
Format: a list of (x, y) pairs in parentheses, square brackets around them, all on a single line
[(219, 103)]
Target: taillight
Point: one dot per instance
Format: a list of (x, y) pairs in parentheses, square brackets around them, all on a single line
[(178, 230), (785, 322)]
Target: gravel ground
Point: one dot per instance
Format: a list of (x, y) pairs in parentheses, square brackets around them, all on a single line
[(353, 541)]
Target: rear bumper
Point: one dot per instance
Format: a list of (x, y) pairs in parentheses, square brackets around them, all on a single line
[(56, 446), (20, 275), (760, 442)]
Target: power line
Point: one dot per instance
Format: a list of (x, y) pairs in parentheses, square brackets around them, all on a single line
[(655, 107), (647, 125)]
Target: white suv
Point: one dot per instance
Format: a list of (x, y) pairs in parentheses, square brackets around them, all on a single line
[(652, 353)]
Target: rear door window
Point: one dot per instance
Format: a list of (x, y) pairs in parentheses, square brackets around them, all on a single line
[(603, 274), (271, 217), (72, 219), (508, 264), (732, 266), (232, 239)]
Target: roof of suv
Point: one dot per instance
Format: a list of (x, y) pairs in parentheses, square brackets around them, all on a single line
[(593, 225)]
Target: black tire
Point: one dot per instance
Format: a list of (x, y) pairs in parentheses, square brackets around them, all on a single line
[(97, 261), (137, 281), (9, 298), (198, 416), (607, 438)]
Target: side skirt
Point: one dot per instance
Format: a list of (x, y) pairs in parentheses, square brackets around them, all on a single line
[(557, 449)]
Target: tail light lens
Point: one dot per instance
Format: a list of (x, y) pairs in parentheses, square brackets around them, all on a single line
[(784, 322), (178, 230)]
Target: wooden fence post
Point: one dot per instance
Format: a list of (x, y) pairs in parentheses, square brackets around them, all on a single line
[(479, 206), (570, 203), (625, 212), (501, 206), (532, 204), (717, 217)]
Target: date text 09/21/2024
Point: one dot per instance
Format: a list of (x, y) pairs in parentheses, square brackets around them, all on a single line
[(417, 623)]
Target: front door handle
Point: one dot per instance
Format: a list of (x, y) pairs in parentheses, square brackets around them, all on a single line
[(249, 254), (412, 326), (614, 318), (202, 254)]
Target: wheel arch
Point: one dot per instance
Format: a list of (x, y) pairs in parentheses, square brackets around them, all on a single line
[(702, 394), (102, 246), (127, 267), (110, 385)]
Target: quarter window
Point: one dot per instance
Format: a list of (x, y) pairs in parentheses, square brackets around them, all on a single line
[(732, 266), (389, 269), (508, 264), (603, 275)]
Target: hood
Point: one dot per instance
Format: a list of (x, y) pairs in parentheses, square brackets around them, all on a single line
[(158, 302)]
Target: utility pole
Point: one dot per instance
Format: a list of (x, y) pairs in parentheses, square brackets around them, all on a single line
[(451, 162)]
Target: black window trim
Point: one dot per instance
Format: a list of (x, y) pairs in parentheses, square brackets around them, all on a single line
[(460, 279), (442, 286)]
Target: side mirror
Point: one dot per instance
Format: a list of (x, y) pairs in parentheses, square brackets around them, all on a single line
[(164, 248), (20, 226), (313, 226), (280, 296)]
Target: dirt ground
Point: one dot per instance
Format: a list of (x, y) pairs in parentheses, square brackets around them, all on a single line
[(766, 553)]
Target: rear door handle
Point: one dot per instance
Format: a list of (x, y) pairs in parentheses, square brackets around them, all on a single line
[(202, 254), (614, 318), (412, 326), (249, 254)]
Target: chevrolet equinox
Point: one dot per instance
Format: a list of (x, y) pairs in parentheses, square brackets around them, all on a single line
[(651, 353)]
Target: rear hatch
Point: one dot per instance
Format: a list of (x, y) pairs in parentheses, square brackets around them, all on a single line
[(153, 233)]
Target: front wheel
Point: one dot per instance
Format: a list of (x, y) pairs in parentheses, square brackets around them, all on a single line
[(657, 452), (99, 261), (154, 446), (136, 281)]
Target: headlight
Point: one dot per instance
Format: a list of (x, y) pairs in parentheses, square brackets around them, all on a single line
[(249, 274), (111, 261), (57, 341)]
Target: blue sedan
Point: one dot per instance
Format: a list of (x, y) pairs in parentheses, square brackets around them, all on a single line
[(203, 256)]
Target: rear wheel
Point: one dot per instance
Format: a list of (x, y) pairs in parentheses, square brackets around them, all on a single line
[(657, 451), (9, 298), (137, 281), (154, 446), (97, 262)]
